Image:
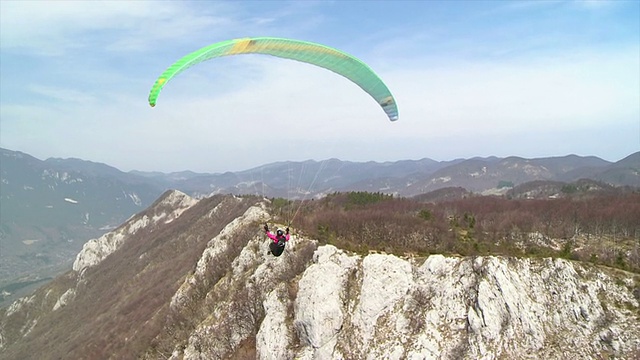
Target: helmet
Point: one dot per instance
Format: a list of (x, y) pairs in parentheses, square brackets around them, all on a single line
[(279, 232)]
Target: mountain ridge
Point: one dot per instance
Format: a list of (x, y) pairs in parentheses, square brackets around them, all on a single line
[(193, 281)]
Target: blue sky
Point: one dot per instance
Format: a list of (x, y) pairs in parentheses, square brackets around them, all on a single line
[(523, 78)]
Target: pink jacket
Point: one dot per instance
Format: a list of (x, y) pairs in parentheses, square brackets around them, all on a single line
[(275, 238)]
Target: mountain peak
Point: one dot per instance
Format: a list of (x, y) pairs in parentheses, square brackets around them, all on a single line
[(166, 209)]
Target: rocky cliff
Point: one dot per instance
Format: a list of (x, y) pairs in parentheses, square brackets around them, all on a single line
[(192, 279)]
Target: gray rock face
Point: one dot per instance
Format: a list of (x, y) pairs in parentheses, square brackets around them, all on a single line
[(384, 307), (482, 308)]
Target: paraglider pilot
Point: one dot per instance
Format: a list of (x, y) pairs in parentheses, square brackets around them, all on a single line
[(276, 247)]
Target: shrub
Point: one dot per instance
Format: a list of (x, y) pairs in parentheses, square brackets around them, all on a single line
[(425, 214)]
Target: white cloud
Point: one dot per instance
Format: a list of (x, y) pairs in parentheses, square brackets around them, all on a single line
[(53, 27), (62, 94), (575, 91), (316, 109)]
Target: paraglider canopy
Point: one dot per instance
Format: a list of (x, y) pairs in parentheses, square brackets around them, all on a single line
[(308, 52)]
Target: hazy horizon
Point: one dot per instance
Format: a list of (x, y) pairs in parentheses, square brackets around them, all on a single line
[(305, 160)]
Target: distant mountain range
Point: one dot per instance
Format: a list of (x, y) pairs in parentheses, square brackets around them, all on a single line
[(50, 208), (297, 180)]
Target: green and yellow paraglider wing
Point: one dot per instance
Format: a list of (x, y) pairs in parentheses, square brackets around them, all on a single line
[(316, 54)]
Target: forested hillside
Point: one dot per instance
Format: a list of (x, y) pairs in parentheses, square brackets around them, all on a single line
[(603, 229)]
